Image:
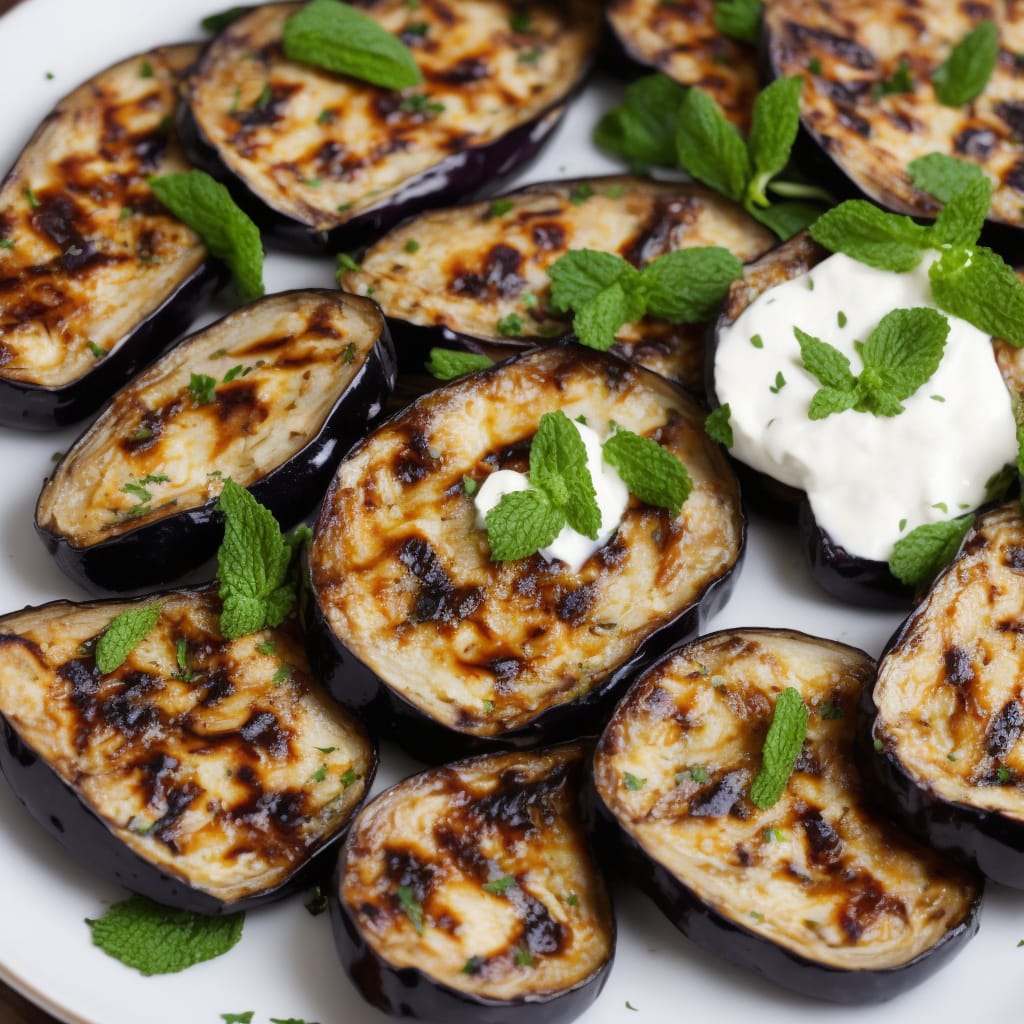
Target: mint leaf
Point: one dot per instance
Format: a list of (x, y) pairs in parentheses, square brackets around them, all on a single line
[(337, 37), (206, 206), (887, 241), (581, 275), (520, 524), (942, 176), (904, 350), (202, 388), (499, 886), (558, 467), (238, 1018), (920, 556), (217, 22), (782, 746), (960, 221), (123, 635), (160, 940), (449, 363), (828, 401), (788, 218), (977, 285), (689, 285), (252, 565), (717, 425), (964, 74), (709, 148), (643, 127), (652, 473), (773, 128), (598, 320), (825, 362), (739, 19)]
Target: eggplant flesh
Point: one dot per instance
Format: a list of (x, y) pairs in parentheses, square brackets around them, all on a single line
[(204, 773), (270, 396), (680, 40), (872, 133), (819, 892), (416, 622), (945, 715), (476, 275), (332, 159), (96, 277), (469, 893)]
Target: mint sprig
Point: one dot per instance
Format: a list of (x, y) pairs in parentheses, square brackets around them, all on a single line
[(160, 940), (450, 363), (652, 473), (605, 291), (962, 77), (923, 553), (782, 746), (899, 356), (337, 37), (559, 471), (520, 524), (739, 19), (206, 206), (942, 176), (256, 589), (123, 635)]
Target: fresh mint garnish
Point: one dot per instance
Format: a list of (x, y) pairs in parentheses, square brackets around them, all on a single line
[(604, 291), (923, 553), (256, 590), (221, 20), (558, 470), (160, 940), (898, 82), (964, 74), (942, 176), (900, 355), (337, 37), (717, 425), (408, 902), (238, 1018), (450, 363), (782, 746), (520, 524), (633, 782), (860, 230), (123, 635), (499, 886), (773, 129), (202, 387), (651, 472), (642, 129), (739, 19), (206, 206), (710, 147)]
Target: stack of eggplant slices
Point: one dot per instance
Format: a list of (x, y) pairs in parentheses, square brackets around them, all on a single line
[(519, 428)]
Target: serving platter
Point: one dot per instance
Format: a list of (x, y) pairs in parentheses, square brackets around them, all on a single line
[(285, 966)]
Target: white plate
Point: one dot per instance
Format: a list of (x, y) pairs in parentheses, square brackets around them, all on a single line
[(285, 964)]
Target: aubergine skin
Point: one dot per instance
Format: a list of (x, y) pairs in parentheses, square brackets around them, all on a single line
[(983, 724), (95, 280), (225, 758), (432, 575), (163, 548), (698, 849), (365, 182), (520, 806)]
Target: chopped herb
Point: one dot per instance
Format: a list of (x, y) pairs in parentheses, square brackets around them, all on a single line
[(181, 655), (523, 958), (521, 21), (267, 647), (937, 398), (830, 711), (146, 70), (841, 318), (417, 28), (488, 706), (325, 117), (633, 782), (30, 197), (265, 96), (780, 383), (319, 775), (902, 525), (571, 899), (97, 350), (774, 835), (420, 103), (581, 193), (529, 300), (472, 965), (412, 246), (6, 243), (202, 388), (530, 56), (1004, 774), (349, 777), (349, 353), (941, 506), (126, 212), (345, 262), (898, 82), (235, 371), (499, 886), (757, 915), (877, 744), (344, 207), (814, 66), (238, 1018), (757, 341), (317, 902), (510, 326), (470, 486), (282, 675), (782, 746), (499, 208), (629, 1005), (408, 902), (143, 434), (312, 182)]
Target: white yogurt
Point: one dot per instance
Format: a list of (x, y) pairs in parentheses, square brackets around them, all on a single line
[(569, 546), (870, 479)]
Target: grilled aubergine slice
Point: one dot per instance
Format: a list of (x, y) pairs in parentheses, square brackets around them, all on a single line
[(325, 160), (271, 396), (452, 651), (946, 713), (468, 893), (476, 276), (819, 892), (847, 576), (681, 40), (96, 277), (869, 104), (205, 773)]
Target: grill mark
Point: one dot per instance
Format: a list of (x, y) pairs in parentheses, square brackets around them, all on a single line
[(654, 238), (1014, 177), (262, 729), (1013, 557), (506, 673), (847, 50), (826, 846), (179, 799), (548, 236), (469, 69), (502, 271), (976, 142), (438, 599), (127, 711), (720, 798), (959, 669), (574, 607), (58, 218), (866, 906), (1011, 112), (415, 461), (1004, 730)]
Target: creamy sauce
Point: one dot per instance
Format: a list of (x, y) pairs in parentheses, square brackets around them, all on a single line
[(569, 546), (870, 479)]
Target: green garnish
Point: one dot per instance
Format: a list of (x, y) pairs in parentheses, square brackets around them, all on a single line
[(408, 902), (782, 746), (97, 351), (511, 326), (898, 82), (499, 886), (717, 425), (921, 555), (449, 363), (202, 388), (652, 473), (123, 635), (739, 19), (964, 74), (633, 782)]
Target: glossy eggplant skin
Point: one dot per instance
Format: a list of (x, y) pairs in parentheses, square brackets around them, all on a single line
[(377, 693), (66, 816), (412, 992), (165, 548), (72, 249), (461, 168)]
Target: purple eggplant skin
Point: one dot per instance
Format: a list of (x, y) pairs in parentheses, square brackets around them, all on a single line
[(158, 552), (713, 931), (457, 177), (32, 407), (64, 817), (355, 685)]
